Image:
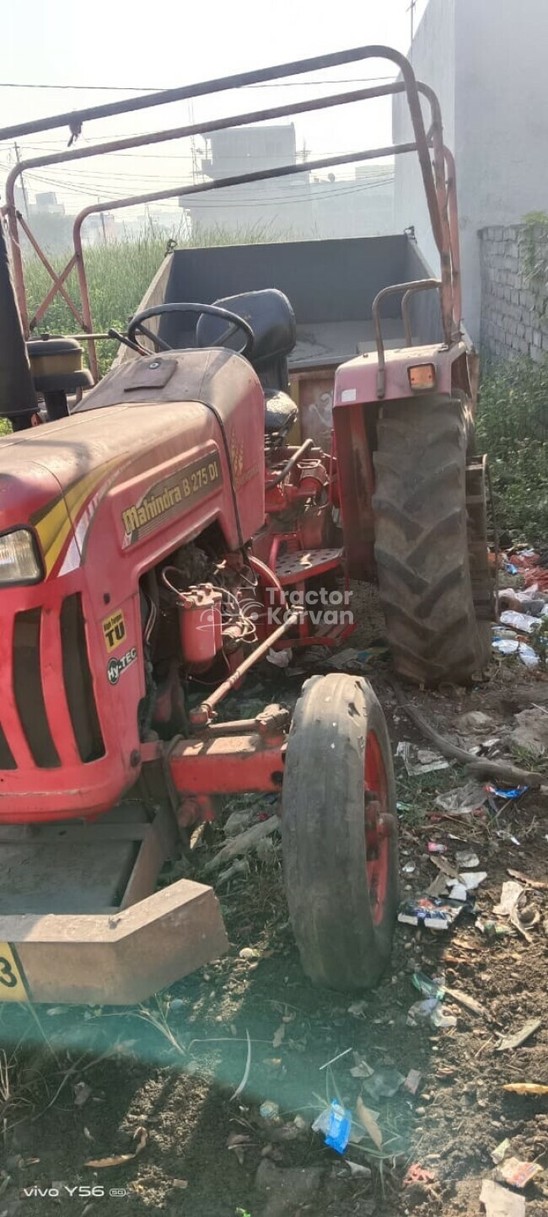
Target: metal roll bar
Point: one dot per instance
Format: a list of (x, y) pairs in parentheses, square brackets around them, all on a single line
[(438, 174)]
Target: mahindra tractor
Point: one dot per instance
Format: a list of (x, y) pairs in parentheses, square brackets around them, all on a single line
[(278, 420)]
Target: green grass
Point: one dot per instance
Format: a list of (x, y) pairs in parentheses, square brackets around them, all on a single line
[(418, 793), (512, 427), (118, 275)]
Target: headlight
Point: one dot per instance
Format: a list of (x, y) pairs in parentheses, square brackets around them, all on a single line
[(19, 559)]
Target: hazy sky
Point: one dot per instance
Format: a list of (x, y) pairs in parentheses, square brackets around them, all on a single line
[(105, 47)]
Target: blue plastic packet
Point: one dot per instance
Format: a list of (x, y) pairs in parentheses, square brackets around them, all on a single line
[(514, 793), (338, 1128)]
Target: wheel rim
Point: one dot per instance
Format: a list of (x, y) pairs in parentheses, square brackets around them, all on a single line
[(377, 827)]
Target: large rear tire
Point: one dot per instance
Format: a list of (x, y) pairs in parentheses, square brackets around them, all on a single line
[(339, 833), (422, 541)]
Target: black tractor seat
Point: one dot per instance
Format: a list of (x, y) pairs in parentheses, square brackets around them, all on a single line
[(272, 320)]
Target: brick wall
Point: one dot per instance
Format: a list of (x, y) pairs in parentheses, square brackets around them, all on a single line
[(514, 312)]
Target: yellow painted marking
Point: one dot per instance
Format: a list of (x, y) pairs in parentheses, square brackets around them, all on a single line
[(53, 530), (11, 982), (114, 630)]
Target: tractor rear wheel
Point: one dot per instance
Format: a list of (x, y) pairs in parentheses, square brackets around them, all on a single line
[(339, 833), (426, 553)]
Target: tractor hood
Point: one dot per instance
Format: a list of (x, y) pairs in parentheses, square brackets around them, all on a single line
[(139, 436)]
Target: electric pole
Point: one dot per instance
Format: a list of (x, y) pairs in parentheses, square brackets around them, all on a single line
[(411, 11), (102, 214)]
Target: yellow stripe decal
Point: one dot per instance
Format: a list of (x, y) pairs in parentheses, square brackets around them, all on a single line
[(56, 524), (53, 530)]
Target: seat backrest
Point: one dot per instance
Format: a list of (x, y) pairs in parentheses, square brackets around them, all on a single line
[(272, 320)]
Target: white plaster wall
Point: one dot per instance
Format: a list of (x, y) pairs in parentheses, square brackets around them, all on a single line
[(488, 61), (502, 124)]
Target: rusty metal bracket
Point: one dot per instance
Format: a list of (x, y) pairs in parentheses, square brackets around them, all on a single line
[(408, 289)]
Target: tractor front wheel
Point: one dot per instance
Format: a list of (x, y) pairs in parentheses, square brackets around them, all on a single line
[(339, 833)]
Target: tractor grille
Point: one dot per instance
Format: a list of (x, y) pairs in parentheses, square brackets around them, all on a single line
[(78, 682), (27, 689), (6, 757), (44, 724)]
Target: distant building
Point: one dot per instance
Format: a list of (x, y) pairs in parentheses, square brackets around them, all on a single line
[(244, 149), (363, 207), (291, 206), (47, 220), (46, 202), (280, 204)]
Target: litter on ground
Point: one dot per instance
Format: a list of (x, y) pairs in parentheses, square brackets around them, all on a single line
[(509, 1042), (419, 761), (517, 1173), (499, 1202), (430, 911), (462, 800)]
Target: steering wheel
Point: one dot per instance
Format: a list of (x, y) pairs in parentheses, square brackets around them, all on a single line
[(234, 323)]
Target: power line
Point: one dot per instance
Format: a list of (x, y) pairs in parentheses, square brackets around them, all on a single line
[(125, 176), (352, 188), (111, 185), (328, 192), (93, 181), (155, 156), (277, 84)]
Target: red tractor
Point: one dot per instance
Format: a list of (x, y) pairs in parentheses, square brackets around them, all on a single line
[(156, 543)]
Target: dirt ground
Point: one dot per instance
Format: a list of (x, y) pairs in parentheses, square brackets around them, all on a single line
[(93, 1084)]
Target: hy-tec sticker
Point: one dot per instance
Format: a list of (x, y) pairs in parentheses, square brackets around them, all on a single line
[(182, 490), (114, 630), (117, 667)]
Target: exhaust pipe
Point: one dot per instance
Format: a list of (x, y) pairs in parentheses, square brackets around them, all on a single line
[(17, 394)]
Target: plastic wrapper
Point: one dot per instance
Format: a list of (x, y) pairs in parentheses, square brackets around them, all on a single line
[(434, 913), (523, 622), (338, 1127)]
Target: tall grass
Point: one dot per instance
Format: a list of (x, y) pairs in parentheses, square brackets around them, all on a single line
[(512, 428), (118, 275)]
